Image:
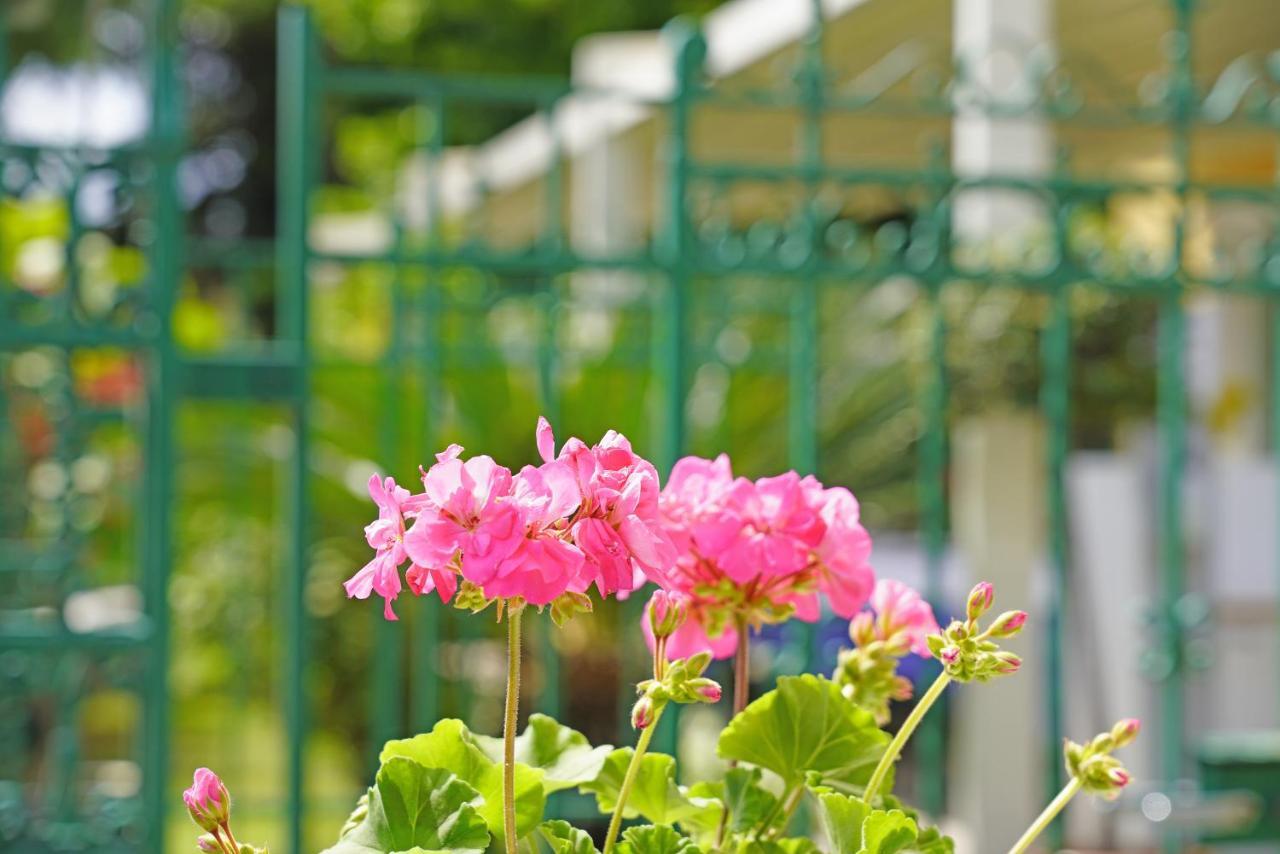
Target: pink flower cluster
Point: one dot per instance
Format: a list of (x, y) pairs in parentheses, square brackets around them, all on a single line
[(756, 551), (587, 516), (899, 617)]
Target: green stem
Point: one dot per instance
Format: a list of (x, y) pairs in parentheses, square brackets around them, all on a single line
[(788, 812), (642, 744), (509, 729), (899, 741), (1046, 818), (742, 668)]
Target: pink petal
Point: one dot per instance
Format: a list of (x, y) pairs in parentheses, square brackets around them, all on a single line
[(546, 440)]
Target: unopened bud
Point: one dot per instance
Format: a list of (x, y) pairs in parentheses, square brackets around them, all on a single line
[(1007, 662), (1125, 731), (1007, 624), (862, 629), (949, 655), (667, 612), (208, 844), (707, 690), (208, 801), (695, 664), (1119, 777), (980, 599), (898, 645), (642, 713)]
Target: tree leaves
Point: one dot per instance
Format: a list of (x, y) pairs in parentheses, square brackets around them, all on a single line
[(415, 808), (655, 793), (451, 745), (804, 727), (564, 755)]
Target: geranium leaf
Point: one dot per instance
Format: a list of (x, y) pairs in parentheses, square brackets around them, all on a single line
[(805, 727), (412, 808), (655, 839), (655, 793), (887, 832), (450, 745), (564, 838), (746, 799), (842, 818), (564, 755)]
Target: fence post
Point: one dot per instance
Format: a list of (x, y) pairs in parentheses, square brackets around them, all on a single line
[(297, 57)]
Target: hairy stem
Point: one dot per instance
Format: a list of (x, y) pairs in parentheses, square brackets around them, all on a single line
[(509, 729), (894, 749), (1046, 818), (788, 811), (742, 668), (642, 744)]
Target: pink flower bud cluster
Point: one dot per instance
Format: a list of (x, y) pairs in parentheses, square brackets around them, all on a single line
[(1093, 765), (759, 551), (971, 655), (209, 805), (587, 516)]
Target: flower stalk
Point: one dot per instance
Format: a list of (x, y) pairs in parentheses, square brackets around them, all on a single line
[(509, 728), (894, 750), (1046, 818), (742, 668), (633, 769)]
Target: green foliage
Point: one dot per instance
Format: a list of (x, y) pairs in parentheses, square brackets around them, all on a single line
[(655, 839), (852, 827), (564, 838), (414, 807), (563, 755), (450, 745), (655, 795), (805, 728)]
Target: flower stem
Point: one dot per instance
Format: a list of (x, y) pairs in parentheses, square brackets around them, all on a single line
[(1046, 818), (742, 668), (642, 744), (509, 729), (894, 749)]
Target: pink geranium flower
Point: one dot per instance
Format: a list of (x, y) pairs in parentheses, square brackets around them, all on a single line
[(900, 610), (386, 536), (617, 526), (751, 552), (466, 515)]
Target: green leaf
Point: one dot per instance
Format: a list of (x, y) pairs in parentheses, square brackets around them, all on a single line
[(564, 755), (450, 745), (852, 827), (842, 818), (415, 808), (747, 801), (887, 832), (929, 840), (787, 845), (654, 795), (802, 727), (564, 838), (651, 839)]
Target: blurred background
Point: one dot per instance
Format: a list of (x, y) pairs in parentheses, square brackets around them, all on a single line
[(1008, 269)]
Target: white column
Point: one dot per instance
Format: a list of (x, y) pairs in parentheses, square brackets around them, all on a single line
[(997, 42), (998, 512)]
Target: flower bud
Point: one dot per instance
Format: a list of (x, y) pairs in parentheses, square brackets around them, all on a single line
[(667, 612), (707, 690), (209, 845), (207, 800), (1007, 624), (949, 655), (1119, 777), (1125, 731), (1007, 662), (695, 664), (862, 629), (642, 712), (980, 599)]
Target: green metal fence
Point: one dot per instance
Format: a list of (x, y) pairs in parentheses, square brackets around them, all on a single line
[(437, 288)]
